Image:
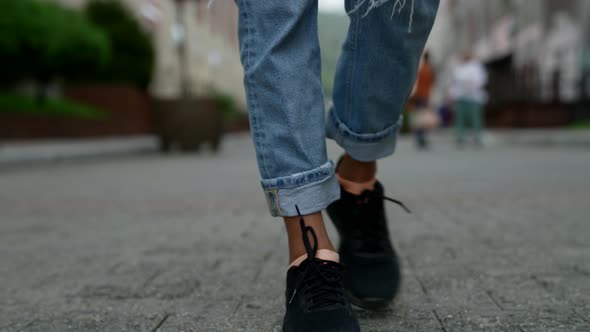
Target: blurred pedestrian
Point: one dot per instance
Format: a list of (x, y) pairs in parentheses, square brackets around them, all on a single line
[(422, 116), (377, 68), (469, 79)]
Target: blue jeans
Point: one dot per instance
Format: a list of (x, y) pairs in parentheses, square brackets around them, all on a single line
[(280, 53)]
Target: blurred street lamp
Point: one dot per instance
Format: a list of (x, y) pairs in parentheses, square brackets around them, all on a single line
[(179, 35)]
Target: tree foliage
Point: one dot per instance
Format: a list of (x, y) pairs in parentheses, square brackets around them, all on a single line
[(42, 40), (132, 48)]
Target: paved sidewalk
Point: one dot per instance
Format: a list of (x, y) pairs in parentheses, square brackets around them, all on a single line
[(498, 242)]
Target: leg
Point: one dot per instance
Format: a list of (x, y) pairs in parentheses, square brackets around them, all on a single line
[(421, 141), (281, 58), (420, 133), (461, 109), (296, 246), (375, 75), (477, 121), (374, 78)]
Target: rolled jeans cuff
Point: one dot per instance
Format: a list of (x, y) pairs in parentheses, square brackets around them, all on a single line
[(363, 147), (310, 191)]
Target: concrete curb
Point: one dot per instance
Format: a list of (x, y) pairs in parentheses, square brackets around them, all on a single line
[(527, 137), (30, 152), (546, 137)]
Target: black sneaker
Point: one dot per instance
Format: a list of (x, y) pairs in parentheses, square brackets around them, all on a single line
[(372, 277), (315, 295)]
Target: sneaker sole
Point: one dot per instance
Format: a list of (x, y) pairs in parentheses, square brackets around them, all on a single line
[(369, 303)]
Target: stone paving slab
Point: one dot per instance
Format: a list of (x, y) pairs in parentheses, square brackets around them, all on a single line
[(498, 241)]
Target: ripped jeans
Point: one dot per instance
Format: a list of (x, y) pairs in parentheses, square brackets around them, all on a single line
[(280, 52)]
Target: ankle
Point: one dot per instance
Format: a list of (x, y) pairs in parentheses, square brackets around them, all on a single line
[(296, 252), (356, 171), (356, 188), (294, 233)]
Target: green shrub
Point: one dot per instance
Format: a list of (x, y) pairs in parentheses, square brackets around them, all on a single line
[(15, 104), (85, 50), (583, 124), (227, 102), (132, 48), (42, 40)]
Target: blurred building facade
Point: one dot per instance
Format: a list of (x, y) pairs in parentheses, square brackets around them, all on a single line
[(210, 60), (543, 46)]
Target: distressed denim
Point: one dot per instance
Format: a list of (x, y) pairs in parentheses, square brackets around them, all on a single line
[(280, 52)]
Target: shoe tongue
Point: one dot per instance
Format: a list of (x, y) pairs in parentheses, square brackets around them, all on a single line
[(327, 255), (351, 196), (321, 262), (329, 264), (322, 254)]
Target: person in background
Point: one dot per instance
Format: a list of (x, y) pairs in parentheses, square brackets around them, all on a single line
[(420, 98), (468, 92)]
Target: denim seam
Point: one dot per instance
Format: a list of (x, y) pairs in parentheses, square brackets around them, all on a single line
[(273, 201), (297, 180), (349, 79), (253, 96), (345, 132), (288, 195)]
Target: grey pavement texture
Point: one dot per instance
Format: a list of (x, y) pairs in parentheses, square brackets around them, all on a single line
[(499, 241)]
